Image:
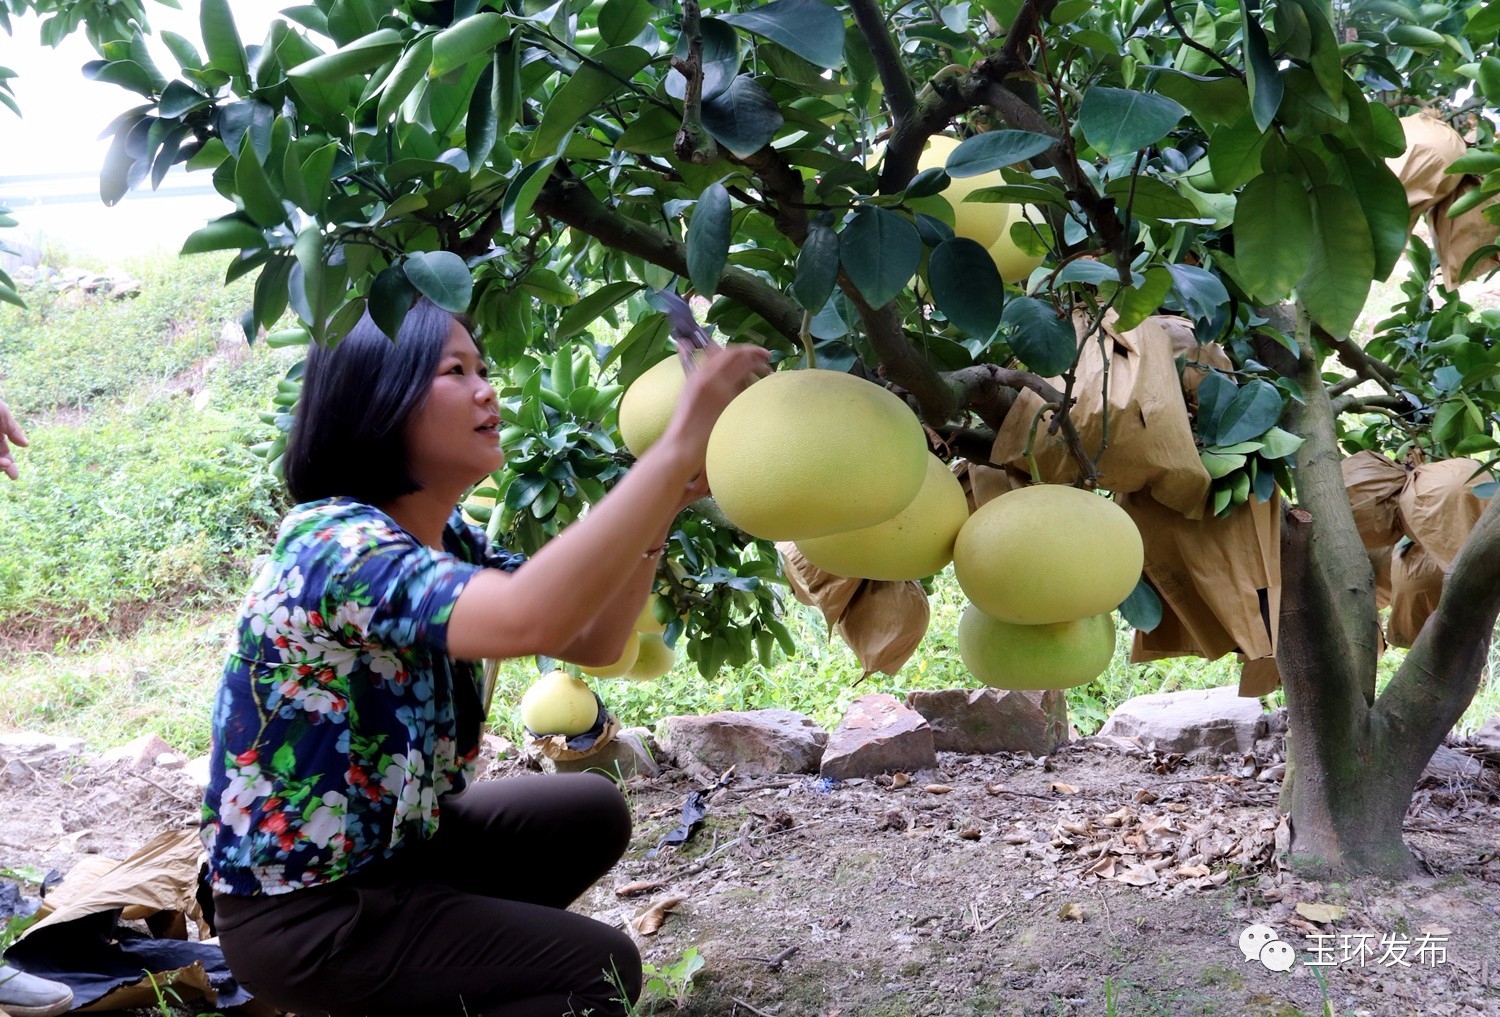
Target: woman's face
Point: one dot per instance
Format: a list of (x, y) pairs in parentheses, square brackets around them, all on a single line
[(453, 438)]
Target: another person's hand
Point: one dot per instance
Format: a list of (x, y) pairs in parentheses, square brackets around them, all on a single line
[(10, 431)]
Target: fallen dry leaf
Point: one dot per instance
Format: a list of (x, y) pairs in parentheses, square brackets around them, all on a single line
[(1071, 912), (1059, 787), (970, 833), (937, 789), (1144, 797), (636, 889), (1193, 871), (649, 921), (899, 780), (1323, 913)]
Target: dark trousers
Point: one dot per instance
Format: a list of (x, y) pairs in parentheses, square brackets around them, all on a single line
[(471, 922)]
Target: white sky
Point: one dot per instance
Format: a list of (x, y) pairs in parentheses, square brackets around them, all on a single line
[(62, 113)]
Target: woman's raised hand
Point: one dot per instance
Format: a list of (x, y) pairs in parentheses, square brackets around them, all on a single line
[(718, 376)]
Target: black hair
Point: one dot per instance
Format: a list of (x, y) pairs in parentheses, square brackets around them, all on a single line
[(349, 435)]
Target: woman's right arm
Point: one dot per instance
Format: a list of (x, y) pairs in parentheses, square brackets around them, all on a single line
[(562, 590)]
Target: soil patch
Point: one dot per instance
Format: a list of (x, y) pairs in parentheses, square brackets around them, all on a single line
[(993, 885)]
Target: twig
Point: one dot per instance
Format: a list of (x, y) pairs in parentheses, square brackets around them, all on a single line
[(165, 791), (1108, 922), (755, 1010), (775, 963)]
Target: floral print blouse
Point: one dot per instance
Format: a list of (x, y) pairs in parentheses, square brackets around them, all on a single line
[(340, 721)]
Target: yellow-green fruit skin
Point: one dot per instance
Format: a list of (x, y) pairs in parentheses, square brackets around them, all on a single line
[(808, 453), (558, 703), (979, 221), (1048, 554), (647, 405), (619, 667), (654, 660), (1057, 656), (648, 622), (912, 544), (1014, 264)]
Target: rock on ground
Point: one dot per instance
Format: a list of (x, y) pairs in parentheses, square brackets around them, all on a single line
[(1199, 721)]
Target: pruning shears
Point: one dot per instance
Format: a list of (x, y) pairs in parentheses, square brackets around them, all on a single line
[(689, 336)]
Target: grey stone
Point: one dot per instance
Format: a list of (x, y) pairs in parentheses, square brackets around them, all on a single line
[(1487, 738), (32, 748), (994, 720), (1199, 721), (624, 756), (755, 742), (140, 754), (878, 734)]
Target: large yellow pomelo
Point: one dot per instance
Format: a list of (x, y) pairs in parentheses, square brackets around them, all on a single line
[(1015, 265), (646, 407), (912, 544), (1048, 554), (1056, 656), (979, 221), (559, 703), (619, 667), (808, 453), (654, 660)]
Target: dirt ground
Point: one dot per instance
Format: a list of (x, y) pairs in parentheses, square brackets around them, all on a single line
[(1095, 881)]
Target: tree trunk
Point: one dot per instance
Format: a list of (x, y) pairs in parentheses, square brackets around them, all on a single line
[(1354, 759)]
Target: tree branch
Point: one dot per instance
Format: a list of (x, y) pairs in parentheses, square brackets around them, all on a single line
[(981, 377), (569, 200), (692, 143), (892, 69), (784, 189), (1351, 403), (1360, 362)]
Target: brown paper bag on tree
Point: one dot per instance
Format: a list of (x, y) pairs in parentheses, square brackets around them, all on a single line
[(1374, 483), (1219, 580), (1431, 147), (882, 622), (1437, 509), (1150, 437), (983, 484), (1416, 586), (1458, 239)]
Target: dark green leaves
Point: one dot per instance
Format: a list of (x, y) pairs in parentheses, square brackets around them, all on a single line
[(580, 94), (442, 277), (810, 28), (880, 250), (1202, 293), (1254, 410), (708, 238), (966, 286), (1142, 609), (1045, 343), (1261, 72), (359, 57), (1118, 121), (222, 40), (231, 233), (464, 40), (992, 150), (743, 118), (1342, 266), (817, 268)]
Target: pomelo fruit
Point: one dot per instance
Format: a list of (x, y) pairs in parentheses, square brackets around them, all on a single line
[(619, 667), (1014, 264), (647, 406), (1047, 554), (559, 703), (1056, 656), (912, 544), (979, 221), (808, 453), (654, 660)]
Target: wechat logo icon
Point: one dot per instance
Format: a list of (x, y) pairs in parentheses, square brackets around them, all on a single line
[(1259, 942)]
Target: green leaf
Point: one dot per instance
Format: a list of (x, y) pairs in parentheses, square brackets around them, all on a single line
[(810, 28), (993, 150), (480, 127), (466, 39), (650, 133), (315, 173), (391, 296), (1212, 101), (180, 98), (521, 194), (1215, 393), (620, 21), (1234, 153), (126, 73), (1150, 198), (549, 287), (1220, 465), (1142, 609), (1324, 57), (708, 234), (1278, 444), (1045, 343), (1383, 199), (1137, 303), (442, 277), (409, 70), (966, 286), (1342, 267), (231, 233), (1261, 72), (582, 314), (880, 250), (1273, 235), (361, 56), (221, 39), (1201, 291), (817, 268), (720, 59), (594, 82), (1255, 409), (743, 118), (1484, 22), (1119, 121), (253, 188)]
